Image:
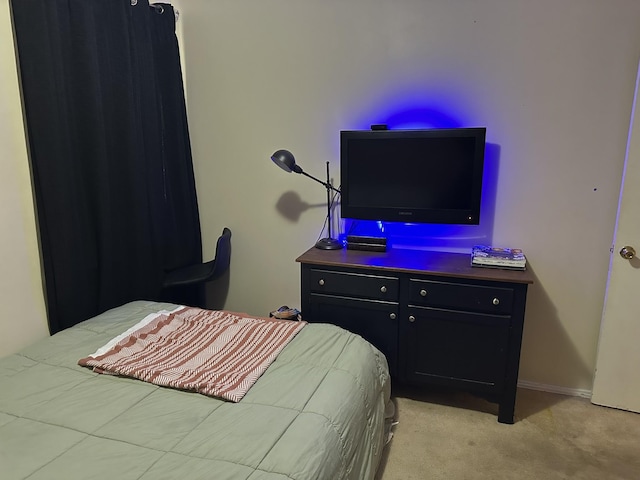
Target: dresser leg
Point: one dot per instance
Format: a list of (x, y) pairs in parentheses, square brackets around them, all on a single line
[(506, 407)]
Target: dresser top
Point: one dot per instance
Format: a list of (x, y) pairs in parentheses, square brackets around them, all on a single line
[(413, 261)]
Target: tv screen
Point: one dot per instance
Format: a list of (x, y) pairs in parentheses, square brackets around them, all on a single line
[(412, 176)]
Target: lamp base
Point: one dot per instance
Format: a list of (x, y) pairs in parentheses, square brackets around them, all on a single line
[(329, 244)]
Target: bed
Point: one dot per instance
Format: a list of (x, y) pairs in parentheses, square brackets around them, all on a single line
[(321, 411)]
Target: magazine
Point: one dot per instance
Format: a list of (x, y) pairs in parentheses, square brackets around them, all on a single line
[(498, 257)]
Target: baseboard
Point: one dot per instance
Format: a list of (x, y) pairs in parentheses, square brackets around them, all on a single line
[(573, 392)]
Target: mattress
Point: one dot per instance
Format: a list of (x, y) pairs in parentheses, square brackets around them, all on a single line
[(317, 412)]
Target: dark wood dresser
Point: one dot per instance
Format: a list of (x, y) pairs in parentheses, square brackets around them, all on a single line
[(438, 320)]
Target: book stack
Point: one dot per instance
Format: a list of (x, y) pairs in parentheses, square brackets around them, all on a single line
[(494, 257)]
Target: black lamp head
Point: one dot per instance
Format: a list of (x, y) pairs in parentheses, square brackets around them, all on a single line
[(286, 161)]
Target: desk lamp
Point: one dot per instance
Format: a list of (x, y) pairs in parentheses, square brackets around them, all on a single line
[(286, 161)]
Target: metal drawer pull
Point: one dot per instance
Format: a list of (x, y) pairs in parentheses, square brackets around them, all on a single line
[(423, 293), (321, 281), (383, 289), (412, 318), (392, 316), (496, 301)]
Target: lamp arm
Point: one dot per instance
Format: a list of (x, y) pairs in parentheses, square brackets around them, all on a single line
[(327, 185)]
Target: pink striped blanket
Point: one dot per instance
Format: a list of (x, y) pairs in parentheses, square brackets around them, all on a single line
[(213, 352)]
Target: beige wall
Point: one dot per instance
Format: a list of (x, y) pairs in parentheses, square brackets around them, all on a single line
[(23, 318), (552, 82)]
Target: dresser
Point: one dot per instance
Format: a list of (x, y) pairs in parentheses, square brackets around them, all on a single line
[(438, 320)]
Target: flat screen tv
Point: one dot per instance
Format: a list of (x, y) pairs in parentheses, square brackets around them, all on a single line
[(412, 176)]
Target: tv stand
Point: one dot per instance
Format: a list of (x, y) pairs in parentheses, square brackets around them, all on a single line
[(438, 320)]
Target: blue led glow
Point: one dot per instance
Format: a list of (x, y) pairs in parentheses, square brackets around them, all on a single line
[(431, 236), (414, 109), (421, 118)]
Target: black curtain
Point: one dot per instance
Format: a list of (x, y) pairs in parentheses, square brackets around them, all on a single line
[(109, 150)]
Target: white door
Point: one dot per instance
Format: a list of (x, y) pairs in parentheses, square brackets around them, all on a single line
[(617, 377)]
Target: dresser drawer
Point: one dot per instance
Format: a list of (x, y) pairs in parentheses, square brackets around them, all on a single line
[(353, 284), (461, 296)]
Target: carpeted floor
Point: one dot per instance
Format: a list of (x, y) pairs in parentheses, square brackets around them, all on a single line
[(456, 436)]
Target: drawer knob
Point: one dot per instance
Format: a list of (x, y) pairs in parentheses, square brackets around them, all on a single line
[(412, 318), (496, 301), (423, 293), (383, 289), (392, 316), (321, 281)]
